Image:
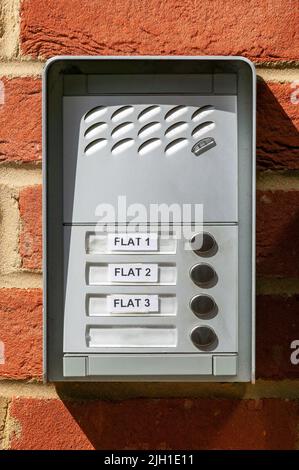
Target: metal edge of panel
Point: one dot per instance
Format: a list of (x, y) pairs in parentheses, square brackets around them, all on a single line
[(45, 84), (44, 219), (253, 221)]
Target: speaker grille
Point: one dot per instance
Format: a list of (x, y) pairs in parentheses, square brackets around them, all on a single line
[(144, 128)]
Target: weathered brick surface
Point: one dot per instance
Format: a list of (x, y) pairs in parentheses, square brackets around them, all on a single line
[(21, 333), (277, 126), (30, 204), (20, 120), (277, 233), (262, 30), (155, 424), (277, 327)]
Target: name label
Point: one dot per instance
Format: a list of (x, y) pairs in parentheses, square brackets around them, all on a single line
[(133, 272), (132, 303), (132, 241)]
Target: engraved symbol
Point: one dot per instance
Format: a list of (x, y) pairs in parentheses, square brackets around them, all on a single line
[(203, 145)]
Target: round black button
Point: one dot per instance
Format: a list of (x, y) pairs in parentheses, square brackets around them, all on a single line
[(204, 244), (203, 275), (204, 338), (204, 306)]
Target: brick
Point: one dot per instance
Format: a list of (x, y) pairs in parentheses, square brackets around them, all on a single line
[(277, 327), (21, 333), (263, 31), (277, 126), (30, 205), (155, 424), (20, 120), (277, 245)]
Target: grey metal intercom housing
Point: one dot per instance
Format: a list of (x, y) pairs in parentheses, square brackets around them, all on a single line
[(146, 304)]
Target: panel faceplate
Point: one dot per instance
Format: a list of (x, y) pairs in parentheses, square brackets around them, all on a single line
[(144, 152), (87, 304)]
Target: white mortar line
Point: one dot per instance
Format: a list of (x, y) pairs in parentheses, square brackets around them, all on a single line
[(18, 177), (24, 68), (9, 44)]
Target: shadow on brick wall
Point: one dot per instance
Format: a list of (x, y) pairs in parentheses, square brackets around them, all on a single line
[(277, 126), (186, 423), (277, 230)]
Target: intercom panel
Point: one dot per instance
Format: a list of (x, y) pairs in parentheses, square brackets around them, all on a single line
[(149, 218)]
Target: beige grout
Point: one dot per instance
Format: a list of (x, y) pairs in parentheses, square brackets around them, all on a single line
[(277, 181), (11, 274), (277, 64), (21, 280), (278, 75), (4, 402), (4, 440), (10, 19), (33, 280), (13, 428), (263, 389), (9, 230), (275, 286), (20, 176), (12, 389), (121, 391), (27, 67), (23, 68), (13, 178)]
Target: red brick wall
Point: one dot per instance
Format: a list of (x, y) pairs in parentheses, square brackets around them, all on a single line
[(149, 416)]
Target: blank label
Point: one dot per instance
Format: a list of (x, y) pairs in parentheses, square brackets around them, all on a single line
[(132, 241), (132, 337), (132, 303), (133, 272)]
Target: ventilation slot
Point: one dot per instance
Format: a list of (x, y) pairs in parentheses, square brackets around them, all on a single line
[(122, 129), (176, 129), (95, 146), (122, 146), (202, 112), (175, 146), (149, 113), (176, 112), (202, 129), (94, 114), (122, 113), (95, 130), (149, 129), (149, 146)]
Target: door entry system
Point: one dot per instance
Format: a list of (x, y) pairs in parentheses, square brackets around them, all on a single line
[(149, 218)]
